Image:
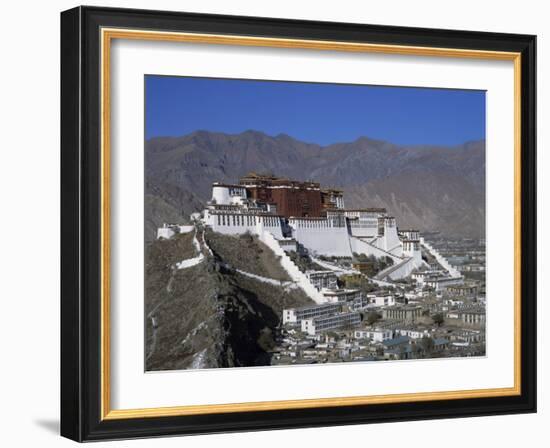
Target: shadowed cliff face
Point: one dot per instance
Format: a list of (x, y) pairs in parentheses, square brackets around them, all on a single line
[(430, 188)]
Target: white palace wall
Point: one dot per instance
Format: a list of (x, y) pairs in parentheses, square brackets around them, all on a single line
[(363, 231), (168, 231), (362, 247), (390, 241), (363, 224), (236, 224), (416, 255), (317, 235), (322, 239)]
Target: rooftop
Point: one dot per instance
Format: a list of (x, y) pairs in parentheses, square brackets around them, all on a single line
[(222, 184), (397, 341), (267, 180), (308, 218)]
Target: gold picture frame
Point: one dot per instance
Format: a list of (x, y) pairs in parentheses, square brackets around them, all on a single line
[(106, 30)]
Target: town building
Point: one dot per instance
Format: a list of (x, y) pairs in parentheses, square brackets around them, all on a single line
[(405, 312), (443, 282), (472, 268), (334, 322), (375, 335), (473, 315), (360, 302), (467, 335), (413, 332), (421, 276), (381, 299), (296, 315), (398, 341), (465, 290), (322, 279), (342, 295)]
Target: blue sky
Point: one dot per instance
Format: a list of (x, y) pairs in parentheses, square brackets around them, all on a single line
[(313, 112)]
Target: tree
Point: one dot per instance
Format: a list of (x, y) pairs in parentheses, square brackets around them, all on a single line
[(438, 319)]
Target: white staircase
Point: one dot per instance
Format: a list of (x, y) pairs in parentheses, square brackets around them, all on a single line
[(453, 272)]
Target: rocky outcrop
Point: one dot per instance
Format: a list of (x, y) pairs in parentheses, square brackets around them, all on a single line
[(208, 315)]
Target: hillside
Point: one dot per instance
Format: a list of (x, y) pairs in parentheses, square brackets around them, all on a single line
[(431, 188), (209, 315)]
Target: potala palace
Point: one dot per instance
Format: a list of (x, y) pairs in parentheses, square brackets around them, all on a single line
[(297, 213)]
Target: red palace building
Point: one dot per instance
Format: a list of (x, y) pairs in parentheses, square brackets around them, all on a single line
[(292, 198)]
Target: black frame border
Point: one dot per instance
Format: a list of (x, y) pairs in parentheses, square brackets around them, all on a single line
[(81, 224)]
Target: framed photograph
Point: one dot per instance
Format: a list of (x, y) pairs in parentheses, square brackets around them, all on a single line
[(277, 224)]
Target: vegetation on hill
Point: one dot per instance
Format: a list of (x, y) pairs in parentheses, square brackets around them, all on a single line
[(371, 264), (358, 281), (304, 262)]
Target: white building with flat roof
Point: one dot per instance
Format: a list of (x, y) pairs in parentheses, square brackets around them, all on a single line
[(413, 333), (341, 295), (334, 322), (375, 335), (442, 283), (228, 194), (296, 315), (381, 299), (421, 276)]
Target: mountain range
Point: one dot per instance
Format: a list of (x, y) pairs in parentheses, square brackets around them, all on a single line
[(432, 188)]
